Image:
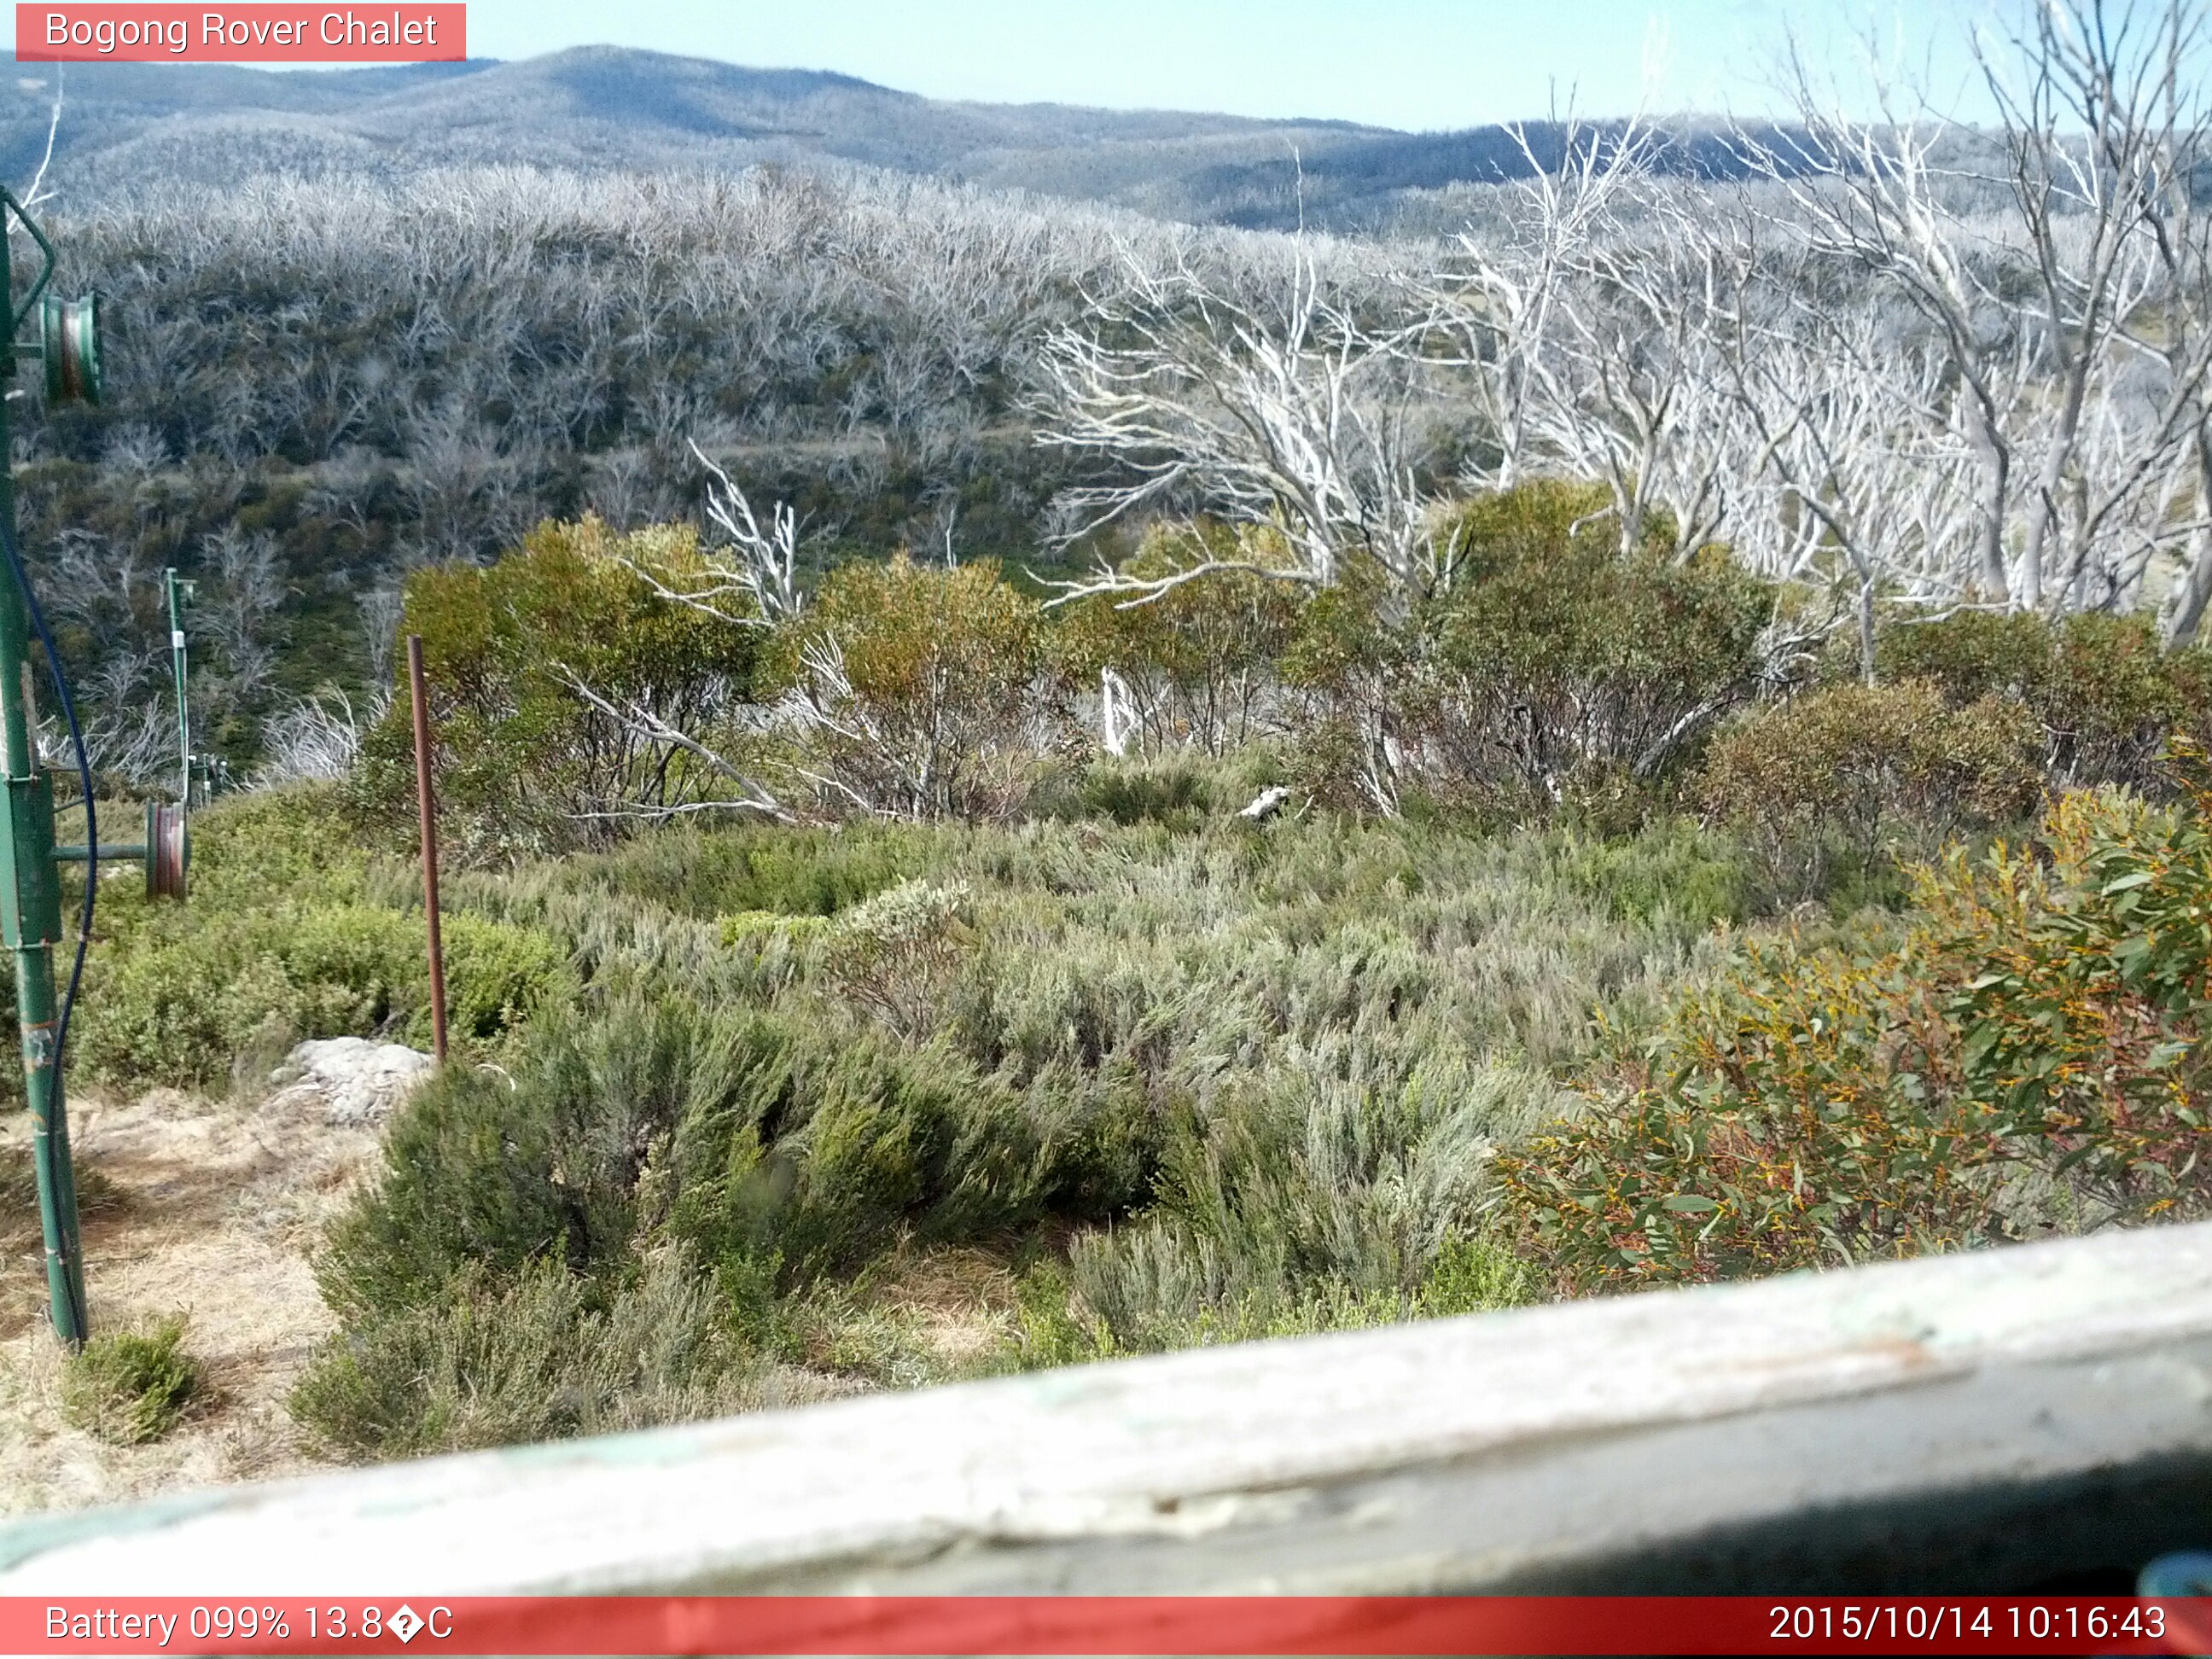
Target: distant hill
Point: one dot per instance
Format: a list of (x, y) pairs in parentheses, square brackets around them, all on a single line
[(599, 107)]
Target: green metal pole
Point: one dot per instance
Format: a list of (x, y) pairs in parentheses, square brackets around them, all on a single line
[(30, 918), (177, 667)]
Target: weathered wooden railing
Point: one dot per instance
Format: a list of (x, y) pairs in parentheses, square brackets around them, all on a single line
[(2007, 1421)]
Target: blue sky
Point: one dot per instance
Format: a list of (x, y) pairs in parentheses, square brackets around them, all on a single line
[(1411, 63)]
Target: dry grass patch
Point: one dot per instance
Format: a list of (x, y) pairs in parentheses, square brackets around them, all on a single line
[(202, 1207)]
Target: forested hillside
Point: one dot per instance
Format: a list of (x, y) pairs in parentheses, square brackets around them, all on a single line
[(318, 386), (1899, 359)]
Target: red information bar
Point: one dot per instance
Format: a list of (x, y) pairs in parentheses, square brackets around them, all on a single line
[(1083, 1624), (256, 34)]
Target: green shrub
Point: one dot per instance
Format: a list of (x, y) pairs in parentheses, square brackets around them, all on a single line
[(1175, 792), (280, 942), (297, 842), (526, 762), (896, 954), (353, 966), (1358, 696), (180, 1011), (1198, 664), (498, 977), (780, 869), (1050, 1329), (2043, 1012), (133, 1387), (190, 999), (1674, 871), (178, 994), (877, 1143), (933, 691), (1472, 1274), (1270, 1199), (2105, 693), (740, 1132), (819, 875), (1475, 1274), (1555, 653), (757, 927), (1549, 667), (1839, 779), (498, 1172), (543, 1356)]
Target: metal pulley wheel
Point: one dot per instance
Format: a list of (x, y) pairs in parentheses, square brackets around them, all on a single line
[(168, 850), (69, 340)]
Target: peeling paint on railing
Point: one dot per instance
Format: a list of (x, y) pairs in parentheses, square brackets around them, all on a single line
[(1978, 1421)]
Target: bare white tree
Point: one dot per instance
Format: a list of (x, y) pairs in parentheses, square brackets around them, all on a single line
[(2052, 264), (752, 581), (1871, 195), (1636, 394), (37, 192), (239, 611), (1288, 410), (2102, 116), (1493, 305), (316, 739)]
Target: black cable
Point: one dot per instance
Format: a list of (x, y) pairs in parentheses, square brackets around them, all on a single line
[(91, 814), (83, 773)]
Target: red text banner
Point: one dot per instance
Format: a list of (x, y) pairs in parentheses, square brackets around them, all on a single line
[(256, 34), (1077, 1624)]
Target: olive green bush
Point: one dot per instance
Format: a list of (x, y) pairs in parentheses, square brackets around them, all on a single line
[(280, 941), (134, 1386), (497, 977), (1305, 1188), (896, 954), (490, 1173), (195, 998), (538, 1356), (921, 692), (1177, 791), (745, 1134), (1555, 654), (1840, 779), (2106, 696), (1198, 664), (2043, 1012), (1550, 668), (1357, 697), (570, 699), (784, 869)]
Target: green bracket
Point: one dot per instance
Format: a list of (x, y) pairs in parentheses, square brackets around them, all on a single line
[(30, 885)]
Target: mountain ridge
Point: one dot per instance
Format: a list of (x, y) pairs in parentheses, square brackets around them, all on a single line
[(600, 108)]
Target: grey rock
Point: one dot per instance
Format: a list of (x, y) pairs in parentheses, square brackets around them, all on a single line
[(357, 1080)]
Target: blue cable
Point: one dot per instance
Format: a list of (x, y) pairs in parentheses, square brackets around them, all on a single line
[(91, 813), (83, 771)]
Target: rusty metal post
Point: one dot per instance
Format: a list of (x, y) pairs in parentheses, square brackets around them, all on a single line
[(424, 799)]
